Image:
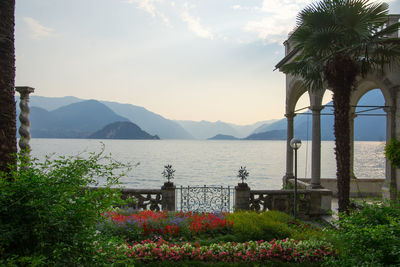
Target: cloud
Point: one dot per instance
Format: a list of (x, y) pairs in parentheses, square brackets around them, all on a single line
[(195, 26), (279, 18), (37, 30), (150, 7)]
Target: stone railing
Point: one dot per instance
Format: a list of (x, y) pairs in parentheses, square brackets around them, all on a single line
[(149, 199), (282, 200), (146, 199), (361, 187), (311, 203)]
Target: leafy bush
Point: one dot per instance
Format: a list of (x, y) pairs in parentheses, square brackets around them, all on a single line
[(269, 225), (369, 236), (47, 216), (249, 225), (392, 152)]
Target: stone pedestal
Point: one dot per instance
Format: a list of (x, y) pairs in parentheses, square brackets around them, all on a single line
[(321, 202), (242, 196), (168, 196)]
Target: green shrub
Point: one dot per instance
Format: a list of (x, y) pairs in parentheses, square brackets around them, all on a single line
[(250, 225), (392, 152), (47, 215), (369, 236)]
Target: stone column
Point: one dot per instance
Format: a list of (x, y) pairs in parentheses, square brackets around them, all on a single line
[(168, 196), (24, 133), (289, 149), (352, 117), (242, 197), (389, 188), (316, 147)]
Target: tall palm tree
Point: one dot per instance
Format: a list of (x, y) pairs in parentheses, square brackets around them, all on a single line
[(338, 40), (8, 142)]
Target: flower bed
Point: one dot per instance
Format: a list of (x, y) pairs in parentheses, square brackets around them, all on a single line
[(286, 250), (143, 224)]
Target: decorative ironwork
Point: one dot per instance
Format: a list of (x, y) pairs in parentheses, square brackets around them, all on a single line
[(206, 198), (282, 200), (146, 199)]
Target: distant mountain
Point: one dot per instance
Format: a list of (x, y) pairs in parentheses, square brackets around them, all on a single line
[(223, 137), (149, 121), (206, 129), (51, 103), (270, 135), (366, 128), (77, 120), (122, 130), (276, 125)]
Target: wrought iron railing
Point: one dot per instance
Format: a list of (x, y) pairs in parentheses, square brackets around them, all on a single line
[(206, 198)]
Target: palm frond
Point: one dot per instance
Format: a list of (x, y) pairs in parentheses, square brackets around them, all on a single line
[(309, 69), (356, 28)]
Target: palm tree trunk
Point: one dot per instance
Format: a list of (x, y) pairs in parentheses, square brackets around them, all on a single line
[(8, 141), (341, 103), (341, 72)]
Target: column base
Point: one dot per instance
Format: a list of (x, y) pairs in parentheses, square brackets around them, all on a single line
[(287, 177), (314, 186), (389, 193)]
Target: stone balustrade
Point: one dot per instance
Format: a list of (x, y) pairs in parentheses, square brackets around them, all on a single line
[(311, 203), (362, 187)]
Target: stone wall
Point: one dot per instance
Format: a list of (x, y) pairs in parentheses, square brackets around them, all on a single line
[(358, 187)]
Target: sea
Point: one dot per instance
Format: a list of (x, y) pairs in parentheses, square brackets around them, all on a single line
[(212, 162)]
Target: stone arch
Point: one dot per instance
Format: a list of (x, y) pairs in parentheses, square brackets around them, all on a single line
[(364, 85), (296, 89), (389, 84)]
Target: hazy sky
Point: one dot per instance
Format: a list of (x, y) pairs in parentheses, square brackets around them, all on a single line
[(186, 60)]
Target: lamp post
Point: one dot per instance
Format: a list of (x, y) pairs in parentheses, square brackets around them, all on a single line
[(295, 144)]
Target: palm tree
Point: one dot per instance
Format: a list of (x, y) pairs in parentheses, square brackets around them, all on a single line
[(336, 41), (8, 142)]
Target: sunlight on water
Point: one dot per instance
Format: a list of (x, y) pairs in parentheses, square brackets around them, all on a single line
[(199, 162)]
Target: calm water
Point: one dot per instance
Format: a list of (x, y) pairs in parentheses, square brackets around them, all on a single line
[(199, 162)]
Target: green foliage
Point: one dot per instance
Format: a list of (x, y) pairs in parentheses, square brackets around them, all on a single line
[(250, 225), (392, 152), (47, 213), (368, 237)]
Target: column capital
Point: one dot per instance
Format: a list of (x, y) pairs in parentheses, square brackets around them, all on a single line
[(316, 108), (389, 109), (290, 115), (24, 90)]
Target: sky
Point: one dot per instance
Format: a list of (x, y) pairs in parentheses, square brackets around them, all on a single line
[(183, 59)]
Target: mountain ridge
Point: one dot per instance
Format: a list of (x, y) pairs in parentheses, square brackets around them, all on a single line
[(122, 130)]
